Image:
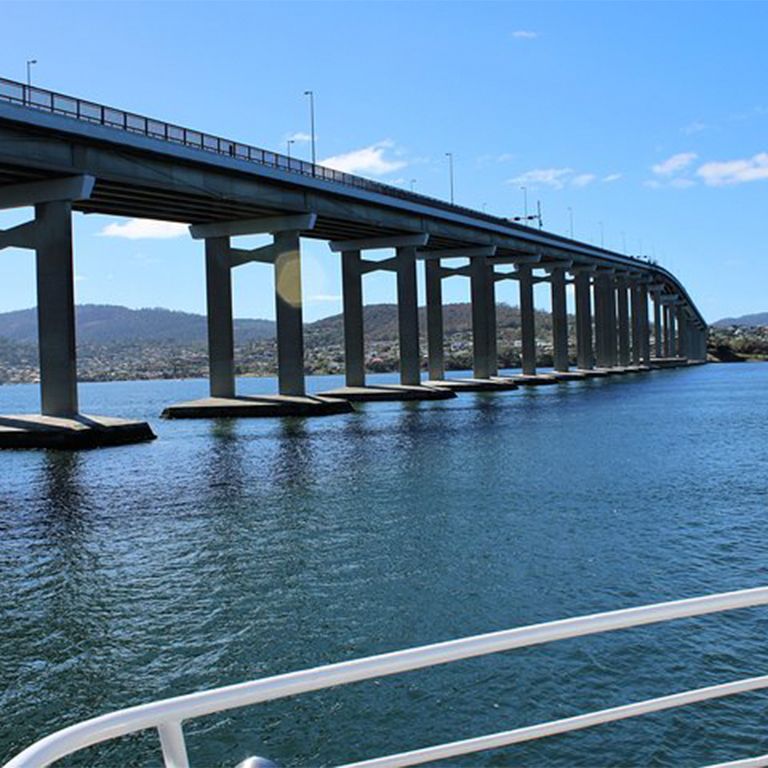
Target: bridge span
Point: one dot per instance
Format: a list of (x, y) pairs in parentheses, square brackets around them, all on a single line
[(60, 154)]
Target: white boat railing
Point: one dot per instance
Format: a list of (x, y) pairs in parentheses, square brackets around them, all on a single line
[(167, 716)]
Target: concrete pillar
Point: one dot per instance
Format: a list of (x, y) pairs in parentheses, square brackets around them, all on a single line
[(636, 345), (290, 330), (657, 326), (493, 341), (602, 289), (408, 316), (527, 319), (352, 296), (645, 330), (623, 313), (584, 353), (56, 309), (221, 348), (611, 336), (559, 320), (479, 277), (682, 341), (435, 340)]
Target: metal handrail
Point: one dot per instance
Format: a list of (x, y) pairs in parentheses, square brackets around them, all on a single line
[(167, 715)]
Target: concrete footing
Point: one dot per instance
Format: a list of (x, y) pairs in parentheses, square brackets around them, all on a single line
[(535, 379), (389, 392), (261, 406), (668, 362), (35, 431), (474, 385), (569, 375)]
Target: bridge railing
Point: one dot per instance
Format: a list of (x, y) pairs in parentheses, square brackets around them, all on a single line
[(168, 715)]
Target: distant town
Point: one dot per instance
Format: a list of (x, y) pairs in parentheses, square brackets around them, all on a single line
[(117, 344)]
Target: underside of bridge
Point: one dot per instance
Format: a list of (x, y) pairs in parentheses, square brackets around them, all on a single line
[(56, 161)]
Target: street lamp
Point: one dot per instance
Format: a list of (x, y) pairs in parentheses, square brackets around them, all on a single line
[(311, 95), (449, 155), (413, 185), (30, 62), (525, 205), (570, 216), (288, 145)]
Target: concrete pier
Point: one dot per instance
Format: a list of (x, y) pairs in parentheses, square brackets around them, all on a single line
[(49, 234), (408, 317), (559, 321), (527, 320), (481, 318), (435, 340), (352, 297), (261, 406), (583, 291), (623, 315), (221, 347)]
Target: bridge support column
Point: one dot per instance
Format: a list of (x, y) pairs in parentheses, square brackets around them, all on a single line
[(493, 339), (601, 288), (527, 320), (435, 337), (584, 352), (408, 316), (657, 326), (636, 344), (56, 309), (611, 335), (645, 331), (221, 349), (479, 279), (288, 313), (559, 320), (354, 341), (49, 234), (623, 313), (682, 340)]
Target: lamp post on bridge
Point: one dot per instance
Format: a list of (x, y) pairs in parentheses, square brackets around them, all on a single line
[(311, 95), (30, 62), (288, 147), (525, 204), (449, 155)]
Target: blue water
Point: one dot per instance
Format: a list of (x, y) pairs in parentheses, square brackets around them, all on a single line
[(230, 550)]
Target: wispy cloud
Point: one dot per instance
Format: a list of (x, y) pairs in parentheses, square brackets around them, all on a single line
[(548, 177), (674, 164), (611, 177), (299, 137), (583, 179), (368, 160), (145, 229), (524, 34), (719, 174), (558, 178)]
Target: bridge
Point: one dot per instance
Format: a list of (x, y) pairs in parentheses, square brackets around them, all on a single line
[(60, 154)]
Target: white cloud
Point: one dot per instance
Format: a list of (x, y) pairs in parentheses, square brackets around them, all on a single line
[(718, 174), (145, 229), (611, 177), (550, 177), (300, 137), (525, 34), (674, 164), (583, 179), (368, 160)]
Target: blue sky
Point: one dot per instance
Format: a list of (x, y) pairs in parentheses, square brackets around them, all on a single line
[(650, 118)]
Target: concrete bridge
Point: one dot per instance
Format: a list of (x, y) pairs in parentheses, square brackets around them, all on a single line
[(61, 154)]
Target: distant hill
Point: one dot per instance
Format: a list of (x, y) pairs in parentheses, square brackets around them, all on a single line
[(110, 324), (106, 323), (745, 321)]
